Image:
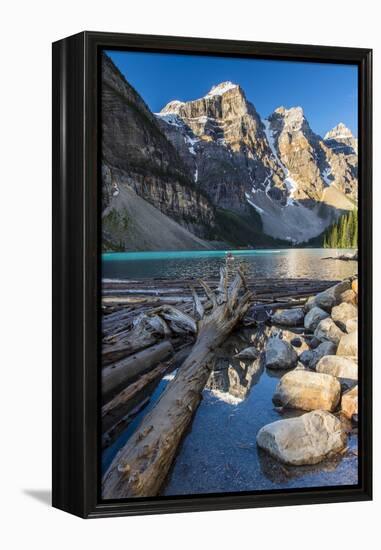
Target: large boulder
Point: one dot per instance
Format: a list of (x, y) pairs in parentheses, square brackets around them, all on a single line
[(329, 331), (307, 439), (288, 317), (348, 344), (302, 389), (349, 402), (311, 358), (280, 354), (331, 297), (343, 313), (339, 366), (313, 318)]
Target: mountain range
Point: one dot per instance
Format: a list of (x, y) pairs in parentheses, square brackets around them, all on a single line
[(212, 173)]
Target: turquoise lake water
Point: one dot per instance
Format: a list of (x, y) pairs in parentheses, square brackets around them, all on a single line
[(287, 263)]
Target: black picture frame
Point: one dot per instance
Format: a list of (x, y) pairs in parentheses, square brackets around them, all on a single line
[(76, 273)]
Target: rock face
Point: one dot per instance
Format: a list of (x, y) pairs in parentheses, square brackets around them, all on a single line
[(307, 439), (313, 318), (309, 391), (280, 354), (223, 129), (136, 154), (328, 330), (349, 402), (288, 317), (339, 366), (341, 137), (343, 313), (276, 166), (341, 150), (348, 345)]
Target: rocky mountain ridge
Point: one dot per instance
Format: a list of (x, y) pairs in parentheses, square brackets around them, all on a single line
[(135, 153), (273, 165), (214, 159)]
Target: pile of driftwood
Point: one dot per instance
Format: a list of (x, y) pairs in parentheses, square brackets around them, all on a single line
[(151, 327)]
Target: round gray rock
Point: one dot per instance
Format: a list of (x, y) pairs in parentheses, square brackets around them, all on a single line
[(311, 358), (328, 330), (331, 297), (313, 318), (280, 354), (288, 317)]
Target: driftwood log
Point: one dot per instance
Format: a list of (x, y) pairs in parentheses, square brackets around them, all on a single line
[(118, 375), (120, 410), (141, 466)]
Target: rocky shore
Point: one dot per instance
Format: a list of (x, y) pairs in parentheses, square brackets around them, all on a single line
[(294, 349), (317, 346)]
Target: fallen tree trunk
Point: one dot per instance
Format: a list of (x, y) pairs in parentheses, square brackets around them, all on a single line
[(135, 341), (119, 374), (140, 467), (117, 413)]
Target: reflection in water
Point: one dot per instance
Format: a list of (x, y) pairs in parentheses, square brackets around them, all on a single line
[(292, 263), (220, 454), (280, 473), (235, 376)]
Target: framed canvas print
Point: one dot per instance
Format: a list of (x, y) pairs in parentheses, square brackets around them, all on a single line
[(212, 274)]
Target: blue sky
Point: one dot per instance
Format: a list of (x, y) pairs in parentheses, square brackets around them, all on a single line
[(327, 92)]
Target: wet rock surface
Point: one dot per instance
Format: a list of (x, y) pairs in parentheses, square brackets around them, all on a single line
[(288, 317)]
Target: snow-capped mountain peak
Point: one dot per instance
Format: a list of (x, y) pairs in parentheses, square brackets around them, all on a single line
[(172, 107), (222, 88), (339, 132)]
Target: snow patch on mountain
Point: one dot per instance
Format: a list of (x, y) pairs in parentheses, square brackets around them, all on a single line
[(257, 208), (191, 143), (326, 176), (170, 118), (290, 183)]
